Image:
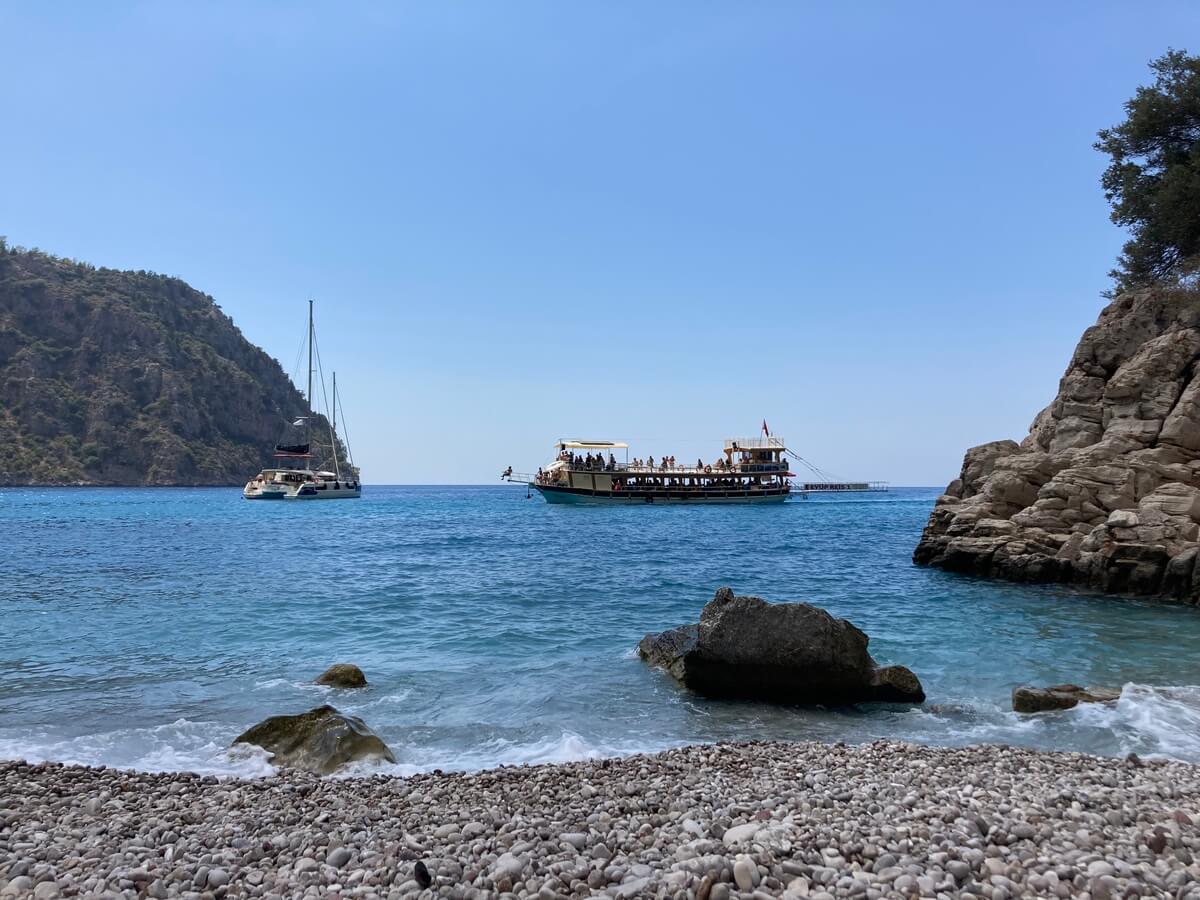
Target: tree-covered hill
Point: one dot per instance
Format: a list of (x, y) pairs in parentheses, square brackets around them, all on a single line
[(129, 378)]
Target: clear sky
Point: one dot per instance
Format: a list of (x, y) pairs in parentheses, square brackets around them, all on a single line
[(876, 225)]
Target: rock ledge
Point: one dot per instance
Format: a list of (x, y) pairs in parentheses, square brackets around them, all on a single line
[(1105, 490)]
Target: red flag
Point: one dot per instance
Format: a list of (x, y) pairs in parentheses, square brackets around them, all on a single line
[(766, 431)]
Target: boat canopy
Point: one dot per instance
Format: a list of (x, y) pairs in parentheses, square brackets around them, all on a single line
[(756, 443), (591, 445)]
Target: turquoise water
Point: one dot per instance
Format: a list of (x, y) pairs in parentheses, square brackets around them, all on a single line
[(147, 628)]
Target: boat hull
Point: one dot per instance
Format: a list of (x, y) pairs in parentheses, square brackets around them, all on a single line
[(265, 495), (328, 494), (554, 494), (292, 492)]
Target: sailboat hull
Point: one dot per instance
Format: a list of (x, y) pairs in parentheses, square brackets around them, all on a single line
[(282, 485), (325, 492)]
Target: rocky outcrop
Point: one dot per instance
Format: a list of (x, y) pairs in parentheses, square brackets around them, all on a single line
[(1105, 490), (1027, 699), (129, 378), (321, 740), (782, 652), (343, 675)]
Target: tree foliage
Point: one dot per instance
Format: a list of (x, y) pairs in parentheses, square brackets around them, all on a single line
[(1153, 178)]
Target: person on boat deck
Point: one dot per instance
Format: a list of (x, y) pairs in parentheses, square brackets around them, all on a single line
[(612, 461), (651, 459)]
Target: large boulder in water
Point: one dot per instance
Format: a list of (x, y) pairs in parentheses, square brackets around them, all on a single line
[(1026, 699), (343, 675), (796, 653), (321, 740)]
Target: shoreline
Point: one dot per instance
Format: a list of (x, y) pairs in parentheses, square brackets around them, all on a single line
[(709, 821)]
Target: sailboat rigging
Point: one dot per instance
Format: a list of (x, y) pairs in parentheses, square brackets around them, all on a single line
[(304, 471)]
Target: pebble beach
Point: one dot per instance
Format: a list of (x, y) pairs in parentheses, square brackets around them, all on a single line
[(711, 822)]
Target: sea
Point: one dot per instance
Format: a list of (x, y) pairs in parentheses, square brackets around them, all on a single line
[(147, 628)]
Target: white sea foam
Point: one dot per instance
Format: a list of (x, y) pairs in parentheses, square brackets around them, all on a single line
[(179, 746), (1150, 721), (1153, 721)]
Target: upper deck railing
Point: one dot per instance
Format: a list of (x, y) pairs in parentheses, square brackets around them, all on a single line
[(757, 468), (756, 443)]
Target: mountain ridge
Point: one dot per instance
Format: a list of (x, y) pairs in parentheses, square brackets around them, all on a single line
[(128, 378)]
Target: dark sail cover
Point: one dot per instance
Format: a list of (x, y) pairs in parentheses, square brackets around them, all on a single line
[(291, 448)]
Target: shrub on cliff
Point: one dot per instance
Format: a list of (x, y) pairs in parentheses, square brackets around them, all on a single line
[(1153, 179)]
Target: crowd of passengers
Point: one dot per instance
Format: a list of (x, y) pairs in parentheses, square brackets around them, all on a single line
[(590, 463), (597, 463)]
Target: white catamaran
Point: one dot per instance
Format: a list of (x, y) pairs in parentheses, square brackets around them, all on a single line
[(305, 471)]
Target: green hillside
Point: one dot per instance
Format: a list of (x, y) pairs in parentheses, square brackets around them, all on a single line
[(128, 378)]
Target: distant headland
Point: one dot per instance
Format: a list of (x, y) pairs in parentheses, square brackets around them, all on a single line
[(113, 377)]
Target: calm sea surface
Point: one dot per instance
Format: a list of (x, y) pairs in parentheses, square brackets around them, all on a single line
[(147, 628)]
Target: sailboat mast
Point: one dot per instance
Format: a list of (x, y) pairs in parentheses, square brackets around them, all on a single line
[(310, 366), (337, 466), (333, 423)]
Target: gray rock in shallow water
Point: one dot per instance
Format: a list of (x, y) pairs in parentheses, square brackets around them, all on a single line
[(1027, 699), (321, 740), (343, 675), (782, 652)]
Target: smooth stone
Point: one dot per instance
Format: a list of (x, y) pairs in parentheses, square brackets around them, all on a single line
[(321, 741), (744, 874), (739, 834), (507, 866), (216, 878), (343, 675)]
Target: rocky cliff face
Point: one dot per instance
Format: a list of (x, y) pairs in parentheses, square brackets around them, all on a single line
[(1105, 490), (111, 377)]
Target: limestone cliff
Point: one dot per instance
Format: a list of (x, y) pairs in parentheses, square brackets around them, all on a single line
[(111, 377), (1105, 490)]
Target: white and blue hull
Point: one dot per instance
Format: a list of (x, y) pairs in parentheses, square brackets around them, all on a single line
[(581, 496)]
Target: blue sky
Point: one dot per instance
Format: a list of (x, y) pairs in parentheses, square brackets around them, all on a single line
[(877, 225)]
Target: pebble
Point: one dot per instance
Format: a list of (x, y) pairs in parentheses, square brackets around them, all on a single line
[(745, 874), (806, 820)]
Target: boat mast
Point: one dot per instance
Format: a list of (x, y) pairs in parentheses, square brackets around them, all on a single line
[(310, 367), (337, 469)]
